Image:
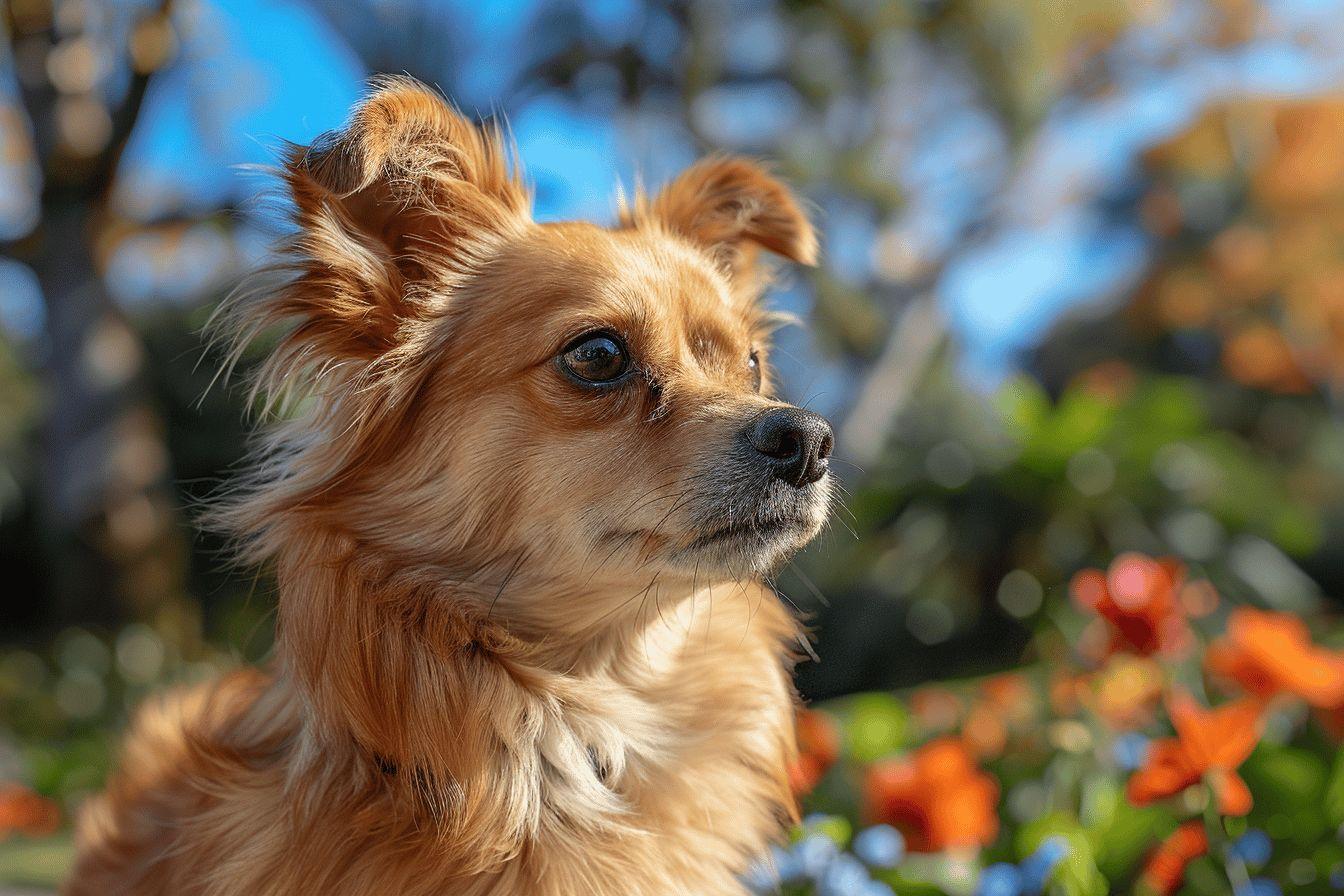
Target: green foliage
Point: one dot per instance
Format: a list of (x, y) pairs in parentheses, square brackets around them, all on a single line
[(875, 725), (36, 863)]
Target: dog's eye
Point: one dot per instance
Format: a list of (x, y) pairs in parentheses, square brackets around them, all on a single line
[(596, 358), (754, 365)]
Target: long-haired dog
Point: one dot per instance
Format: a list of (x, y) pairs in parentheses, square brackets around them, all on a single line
[(518, 505)]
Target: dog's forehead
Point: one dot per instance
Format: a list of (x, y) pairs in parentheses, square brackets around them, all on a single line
[(635, 277)]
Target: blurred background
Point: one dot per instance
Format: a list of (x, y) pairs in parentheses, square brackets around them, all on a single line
[(1081, 306)]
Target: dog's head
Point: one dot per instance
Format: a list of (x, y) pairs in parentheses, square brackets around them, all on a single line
[(509, 400)]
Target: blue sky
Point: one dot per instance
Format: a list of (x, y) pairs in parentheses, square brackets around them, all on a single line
[(1017, 230), (260, 72)]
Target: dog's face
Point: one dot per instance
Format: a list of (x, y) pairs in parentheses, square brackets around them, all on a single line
[(567, 403), (608, 391)]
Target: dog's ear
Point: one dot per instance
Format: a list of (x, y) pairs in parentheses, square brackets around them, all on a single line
[(731, 207), (393, 208)]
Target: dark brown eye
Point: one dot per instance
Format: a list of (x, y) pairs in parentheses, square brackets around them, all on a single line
[(596, 358), (754, 365)]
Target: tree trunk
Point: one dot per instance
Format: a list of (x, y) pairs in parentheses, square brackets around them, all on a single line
[(106, 501)]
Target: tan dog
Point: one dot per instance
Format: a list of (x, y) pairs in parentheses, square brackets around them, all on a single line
[(518, 510)]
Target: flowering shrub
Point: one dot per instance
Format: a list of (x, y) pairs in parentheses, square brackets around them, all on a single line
[(1160, 741)]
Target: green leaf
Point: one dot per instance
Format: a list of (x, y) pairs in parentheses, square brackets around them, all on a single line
[(837, 828), (1290, 782), (40, 863), (1131, 832), (1334, 793), (876, 725), (1078, 874)]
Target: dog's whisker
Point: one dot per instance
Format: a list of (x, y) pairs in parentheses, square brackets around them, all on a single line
[(809, 584)]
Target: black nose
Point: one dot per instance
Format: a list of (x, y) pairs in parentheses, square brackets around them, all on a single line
[(797, 443)]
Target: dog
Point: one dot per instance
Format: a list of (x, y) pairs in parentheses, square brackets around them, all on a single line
[(524, 487)]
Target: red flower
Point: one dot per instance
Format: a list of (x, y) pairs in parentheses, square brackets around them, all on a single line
[(937, 796), (1209, 746), (818, 748), (1137, 599), (24, 811), (1165, 870)]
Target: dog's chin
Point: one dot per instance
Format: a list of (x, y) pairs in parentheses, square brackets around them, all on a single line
[(748, 529), (744, 550)]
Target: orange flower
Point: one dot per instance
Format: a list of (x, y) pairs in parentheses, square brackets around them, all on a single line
[(1012, 696), (1007, 705), (818, 748), (1271, 653), (937, 797), (1165, 870), (1137, 598), (1111, 381), (1209, 746), (1260, 356), (1127, 690), (936, 709), (984, 731), (1068, 692), (24, 811)]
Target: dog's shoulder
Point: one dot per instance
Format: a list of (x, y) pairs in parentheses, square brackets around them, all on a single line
[(180, 748)]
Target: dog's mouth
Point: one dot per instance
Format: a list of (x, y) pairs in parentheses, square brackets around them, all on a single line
[(746, 547), (743, 534), (736, 525), (746, 533)]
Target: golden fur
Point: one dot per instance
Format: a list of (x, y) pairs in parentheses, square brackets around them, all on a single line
[(504, 665)]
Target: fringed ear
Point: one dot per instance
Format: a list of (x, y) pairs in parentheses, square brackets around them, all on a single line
[(392, 213), (391, 210), (731, 207)]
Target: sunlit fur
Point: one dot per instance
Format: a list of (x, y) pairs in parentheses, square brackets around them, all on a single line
[(509, 658)]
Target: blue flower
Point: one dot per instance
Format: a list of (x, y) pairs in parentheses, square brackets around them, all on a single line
[(1002, 879), (1037, 867), (844, 876), (766, 874), (813, 854), (880, 846), (1253, 847), (1337, 876), (760, 878), (1131, 751), (1259, 886)]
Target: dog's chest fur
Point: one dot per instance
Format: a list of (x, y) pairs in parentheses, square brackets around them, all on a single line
[(695, 764), (659, 773)]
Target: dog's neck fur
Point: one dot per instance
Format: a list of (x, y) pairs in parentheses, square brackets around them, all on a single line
[(495, 740), (409, 744)]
